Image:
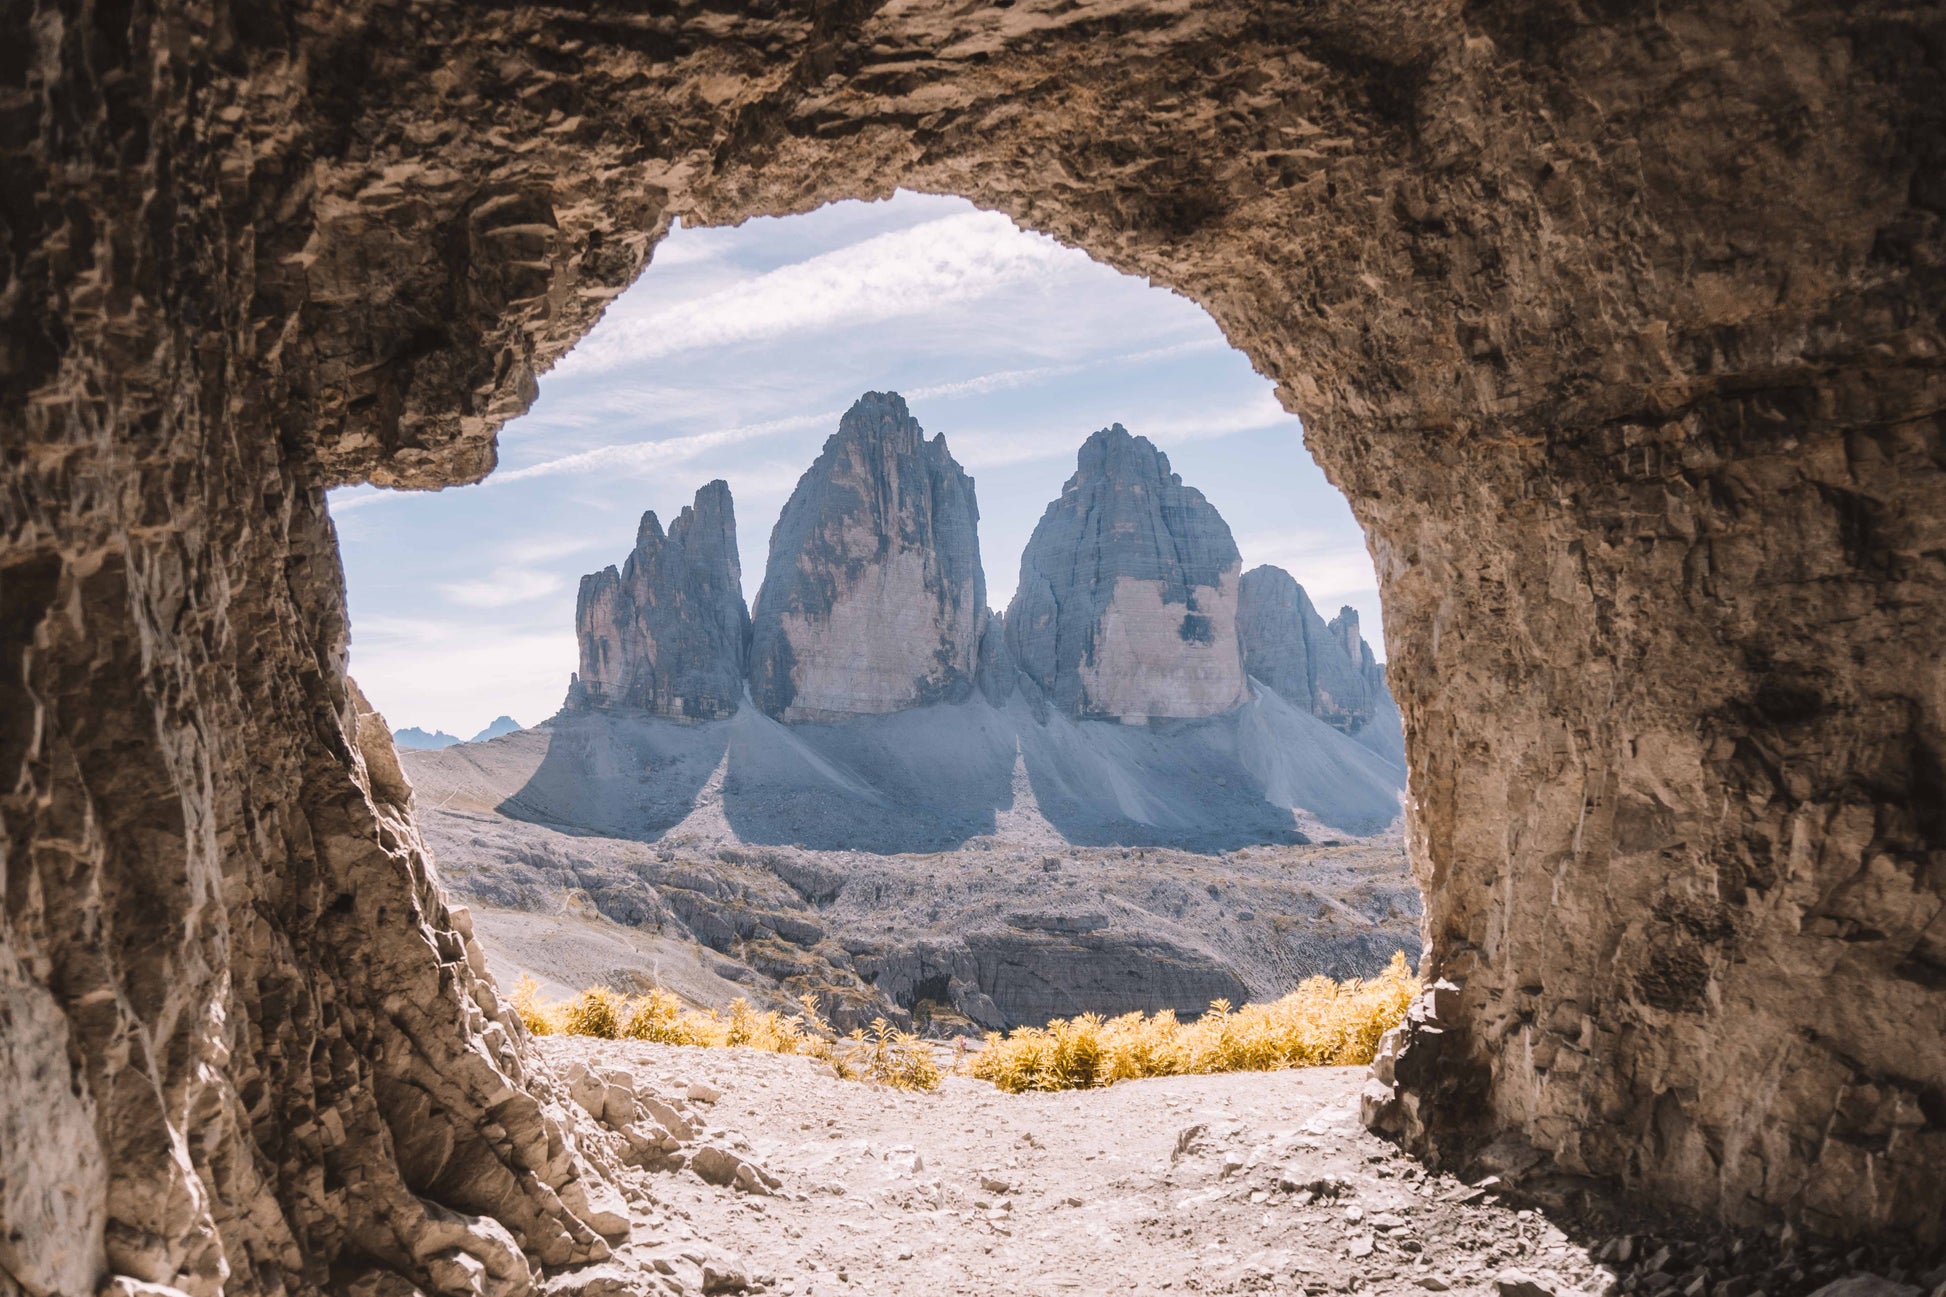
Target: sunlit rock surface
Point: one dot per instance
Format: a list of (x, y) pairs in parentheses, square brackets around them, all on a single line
[(873, 599), (666, 632), (1126, 607)]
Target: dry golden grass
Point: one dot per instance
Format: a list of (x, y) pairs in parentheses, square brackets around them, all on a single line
[(1321, 1023), (883, 1054)]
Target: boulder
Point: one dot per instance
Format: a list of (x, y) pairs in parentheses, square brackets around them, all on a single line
[(666, 632), (873, 598), (1127, 601)]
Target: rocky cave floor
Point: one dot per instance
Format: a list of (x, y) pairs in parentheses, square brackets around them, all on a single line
[(1242, 1183)]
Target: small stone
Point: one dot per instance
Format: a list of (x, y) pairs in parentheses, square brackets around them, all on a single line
[(1518, 1283), (1354, 1213), (701, 1093), (1360, 1246), (1433, 1283), (1867, 1285)]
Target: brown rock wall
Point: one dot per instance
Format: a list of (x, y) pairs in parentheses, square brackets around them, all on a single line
[(1620, 328)]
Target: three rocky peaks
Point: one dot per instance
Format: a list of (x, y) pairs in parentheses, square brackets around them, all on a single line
[(1132, 603)]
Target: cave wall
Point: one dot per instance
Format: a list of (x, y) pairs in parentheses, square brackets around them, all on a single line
[(1621, 330)]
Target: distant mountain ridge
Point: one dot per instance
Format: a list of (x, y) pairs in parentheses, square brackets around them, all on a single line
[(421, 741), (1132, 604)]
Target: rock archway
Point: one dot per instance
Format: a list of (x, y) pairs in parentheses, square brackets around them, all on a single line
[(1620, 328)]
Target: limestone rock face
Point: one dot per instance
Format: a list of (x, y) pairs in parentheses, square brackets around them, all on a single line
[(1326, 668), (1619, 330), (666, 633), (1127, 600), (873, 599), (996, 672)]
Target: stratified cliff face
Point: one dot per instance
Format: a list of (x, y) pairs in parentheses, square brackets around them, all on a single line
[(667, 632), (873, 599), (1128, 592)]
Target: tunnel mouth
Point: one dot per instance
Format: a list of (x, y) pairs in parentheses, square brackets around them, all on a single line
[(724, 754)]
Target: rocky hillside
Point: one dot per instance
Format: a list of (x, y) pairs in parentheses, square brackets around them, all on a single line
[(747, 857)]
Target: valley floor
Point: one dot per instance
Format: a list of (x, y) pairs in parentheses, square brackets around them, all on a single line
[(1255, 1182)]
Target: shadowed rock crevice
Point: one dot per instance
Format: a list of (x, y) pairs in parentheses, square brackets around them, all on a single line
[(1620, 335)]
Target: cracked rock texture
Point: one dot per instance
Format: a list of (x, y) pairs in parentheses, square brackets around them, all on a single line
[(1127, 600), (873, 600), (1618, 326), (666, 633)]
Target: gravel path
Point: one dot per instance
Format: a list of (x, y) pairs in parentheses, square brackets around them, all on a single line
[(1241, 1183)]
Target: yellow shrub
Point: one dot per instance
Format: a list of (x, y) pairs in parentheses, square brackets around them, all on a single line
[(1321, 1023), (888, 1056), (597, 1011), (527, 1003), (885, 1054)]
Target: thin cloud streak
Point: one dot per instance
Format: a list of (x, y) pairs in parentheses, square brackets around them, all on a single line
[(979, 449), (503, 588), (649, 456), (955, 259)]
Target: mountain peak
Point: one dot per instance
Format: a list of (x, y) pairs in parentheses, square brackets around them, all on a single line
[(666, 632), (500, 725), (873, 597), (1127, 599)]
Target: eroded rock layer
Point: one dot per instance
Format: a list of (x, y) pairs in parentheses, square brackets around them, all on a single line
[(1126, 606), (1618, 327), (873, 600), (666, 632)]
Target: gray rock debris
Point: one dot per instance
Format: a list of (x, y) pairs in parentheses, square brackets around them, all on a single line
[(666, 633), (873, 599)]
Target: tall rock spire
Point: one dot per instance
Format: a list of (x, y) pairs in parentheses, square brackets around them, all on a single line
[(1324, 667), (667, 632), (1128, 589), (873, 597)]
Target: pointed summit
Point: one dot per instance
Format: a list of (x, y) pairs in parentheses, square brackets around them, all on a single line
[(666, 633), (873, 598), (1127, 599), (1324, 667)]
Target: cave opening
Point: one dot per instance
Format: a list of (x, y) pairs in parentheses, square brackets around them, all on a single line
[(728, 756)]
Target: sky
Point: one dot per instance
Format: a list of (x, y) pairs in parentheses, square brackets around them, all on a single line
[(734, 355)]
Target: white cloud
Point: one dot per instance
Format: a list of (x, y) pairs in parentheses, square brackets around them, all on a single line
[(452, 677), (904, 272), (504, 588), (545, 549), (1327, 568), (988, 448), (653, 456), (999, 381)]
